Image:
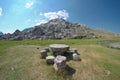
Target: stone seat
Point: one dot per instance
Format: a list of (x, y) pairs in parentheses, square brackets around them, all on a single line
[(50, 59), (59, 62), (76, 57), (43, 54)]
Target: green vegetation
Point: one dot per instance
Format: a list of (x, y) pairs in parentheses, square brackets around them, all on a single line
[(20, 60)]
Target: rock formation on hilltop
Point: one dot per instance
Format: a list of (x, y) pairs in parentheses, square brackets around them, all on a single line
[(56, 29)]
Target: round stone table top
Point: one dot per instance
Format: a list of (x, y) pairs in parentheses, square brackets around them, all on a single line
[(59, 48)]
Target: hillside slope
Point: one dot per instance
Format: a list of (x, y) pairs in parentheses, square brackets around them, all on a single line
[(57, 29)]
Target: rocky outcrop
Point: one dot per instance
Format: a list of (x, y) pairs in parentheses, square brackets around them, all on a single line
[(55, 29), (17, 35)]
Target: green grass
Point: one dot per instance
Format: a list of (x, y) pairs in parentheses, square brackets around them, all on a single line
[(20, 60)]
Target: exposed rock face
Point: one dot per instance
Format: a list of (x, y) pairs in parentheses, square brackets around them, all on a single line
[(55, 29), (17, 35), (27, 29)]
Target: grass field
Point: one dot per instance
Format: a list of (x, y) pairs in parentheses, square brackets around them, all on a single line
[(20, 60)]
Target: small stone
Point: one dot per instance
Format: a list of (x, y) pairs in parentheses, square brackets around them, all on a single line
[(12, 68), (50, 59)]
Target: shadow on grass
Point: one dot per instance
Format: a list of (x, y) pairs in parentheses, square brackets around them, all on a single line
[(66, 74), (68, 55)]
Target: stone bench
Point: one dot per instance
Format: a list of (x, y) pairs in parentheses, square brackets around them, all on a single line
[(43, 54), (50, 59), (59, 62), (76, 57)]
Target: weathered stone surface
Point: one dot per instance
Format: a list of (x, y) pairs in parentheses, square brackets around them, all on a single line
[(60, 62), (76, 57), (50, 59), (43, 54), (59, 49)]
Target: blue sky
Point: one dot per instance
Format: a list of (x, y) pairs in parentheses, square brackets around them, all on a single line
[(97, 14)]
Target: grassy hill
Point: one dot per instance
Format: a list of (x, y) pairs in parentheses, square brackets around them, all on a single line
[(20, 60)]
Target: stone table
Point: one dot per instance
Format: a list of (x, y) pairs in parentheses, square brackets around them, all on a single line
[(59, 49)]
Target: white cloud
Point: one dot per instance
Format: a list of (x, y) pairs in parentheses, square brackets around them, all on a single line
[(0, 11), (60, 14), (42, 21), (29, 4), (64, 14), (52, 15)]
